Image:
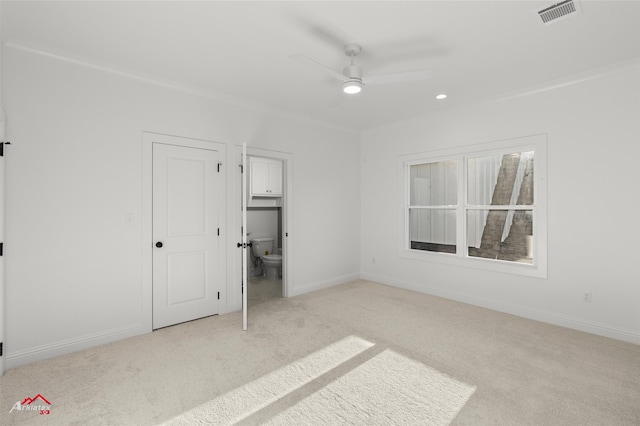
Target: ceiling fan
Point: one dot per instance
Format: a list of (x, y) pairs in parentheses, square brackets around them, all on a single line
[(352, 78)]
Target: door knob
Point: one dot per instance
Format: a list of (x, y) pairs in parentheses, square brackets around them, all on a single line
[(159, 244)]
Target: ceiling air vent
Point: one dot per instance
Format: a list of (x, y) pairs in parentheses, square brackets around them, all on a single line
[(558, 11)]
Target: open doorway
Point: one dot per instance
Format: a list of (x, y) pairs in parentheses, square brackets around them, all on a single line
[(268, 204), (264, 225), (266, 199)]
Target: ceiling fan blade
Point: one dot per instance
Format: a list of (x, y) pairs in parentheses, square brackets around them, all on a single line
[(320, 29), (398, 77), (306, 60)]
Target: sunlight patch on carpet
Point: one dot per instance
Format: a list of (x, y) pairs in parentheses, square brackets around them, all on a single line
[(387, 389), (248, 399)]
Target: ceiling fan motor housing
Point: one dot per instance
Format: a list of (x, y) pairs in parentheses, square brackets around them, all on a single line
[(353, 72)]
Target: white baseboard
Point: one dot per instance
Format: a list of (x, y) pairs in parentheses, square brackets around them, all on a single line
[(230, 308), (63, 347), (521, 311), (307, 288)]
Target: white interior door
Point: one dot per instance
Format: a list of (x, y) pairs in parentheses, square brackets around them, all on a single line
[(186, 196), (245, 278)]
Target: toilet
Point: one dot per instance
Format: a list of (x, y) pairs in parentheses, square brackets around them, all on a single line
[(271, 263)]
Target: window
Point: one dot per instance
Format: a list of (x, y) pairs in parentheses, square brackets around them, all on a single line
[(483, 207), (433, 189)]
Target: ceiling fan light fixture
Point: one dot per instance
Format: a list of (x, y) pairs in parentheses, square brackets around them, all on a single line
[(352, 86), (351, 76)]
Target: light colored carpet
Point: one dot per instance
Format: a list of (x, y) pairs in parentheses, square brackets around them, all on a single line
[(524, 372), (387, 389), (242, 402)]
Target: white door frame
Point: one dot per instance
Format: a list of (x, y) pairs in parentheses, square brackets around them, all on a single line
[(148, 138)]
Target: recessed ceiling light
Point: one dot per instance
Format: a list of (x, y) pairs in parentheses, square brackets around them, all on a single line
[(441, 96)]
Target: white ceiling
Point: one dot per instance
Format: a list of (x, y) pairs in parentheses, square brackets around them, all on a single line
[(242, 50)]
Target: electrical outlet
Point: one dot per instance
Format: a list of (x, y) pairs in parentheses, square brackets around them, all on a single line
[(586, 297)]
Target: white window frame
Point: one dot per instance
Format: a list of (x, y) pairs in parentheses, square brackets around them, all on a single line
[(536, 143)]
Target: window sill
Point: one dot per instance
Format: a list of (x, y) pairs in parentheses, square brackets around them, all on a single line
[(502, 266)]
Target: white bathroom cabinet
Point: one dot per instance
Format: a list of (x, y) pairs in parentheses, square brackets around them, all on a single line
[(266, 177)]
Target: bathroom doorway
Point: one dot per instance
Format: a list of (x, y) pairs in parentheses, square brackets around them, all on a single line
[(264, 231), (267, 199)]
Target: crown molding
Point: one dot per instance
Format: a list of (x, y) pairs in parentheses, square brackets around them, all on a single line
[(172, 85), (547, 86)]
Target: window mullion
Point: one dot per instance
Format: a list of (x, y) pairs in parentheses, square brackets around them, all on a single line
[(407, 208)]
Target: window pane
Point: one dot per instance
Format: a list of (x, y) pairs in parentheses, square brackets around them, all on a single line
[(500, 179), (434, 184), (432, 230), (501, 234)]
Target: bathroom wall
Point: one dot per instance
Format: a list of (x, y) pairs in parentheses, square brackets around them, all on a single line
[(263, 222)]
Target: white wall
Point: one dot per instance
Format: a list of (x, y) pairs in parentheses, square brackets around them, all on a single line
[(593, 135), (74, 267)]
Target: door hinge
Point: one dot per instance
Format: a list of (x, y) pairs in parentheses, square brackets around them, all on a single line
[(219, 164), (241, 168), (1, 249), (218, 295), (1, 348), (218, 232), (2, 144)]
